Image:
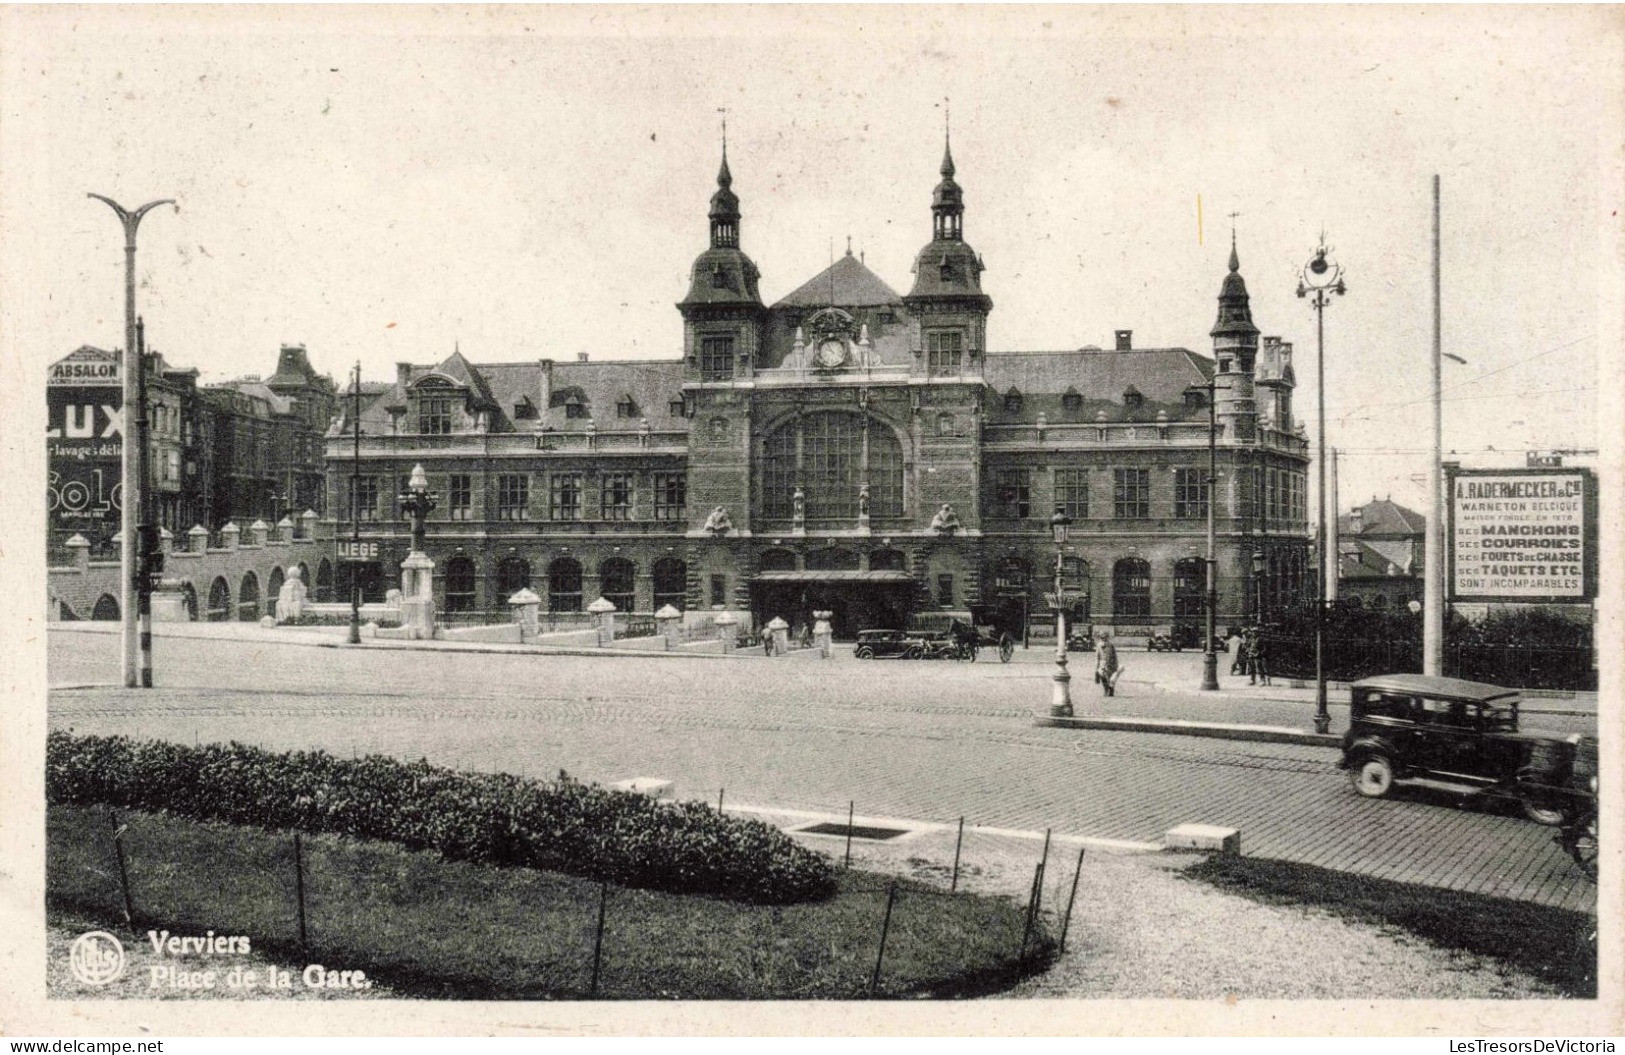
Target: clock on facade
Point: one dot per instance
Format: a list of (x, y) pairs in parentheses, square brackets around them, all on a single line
[(831, 353)]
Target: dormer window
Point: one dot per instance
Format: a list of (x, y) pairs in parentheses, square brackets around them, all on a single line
[(1012, 401), (1195, 398), (1071, 401), (675, 407), (574, 407), (1132, 398), (525, 410), (434, 415), (719, 277), (625, 407)]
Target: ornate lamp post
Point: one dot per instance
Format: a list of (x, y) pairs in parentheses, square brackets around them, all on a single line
[(1210, 658), (1319, 281), (417, 570), (417, 502), (137, 547), (1258, 587), (355, 511), (1061, 698)]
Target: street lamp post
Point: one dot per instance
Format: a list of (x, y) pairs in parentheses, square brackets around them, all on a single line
[(1320, 280), (1258, 588), (1061, 697), (1210, 658), (135, 557), (355, 512)]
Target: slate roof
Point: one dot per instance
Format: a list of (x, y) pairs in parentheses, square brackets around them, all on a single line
[(1382, 516), (848, 283), (1358, 559), (1160, 375)]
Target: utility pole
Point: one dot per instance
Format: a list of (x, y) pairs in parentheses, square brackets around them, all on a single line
[(355, 512), (1322, 278), (1210, 658), (135, 602), (1432, 544)]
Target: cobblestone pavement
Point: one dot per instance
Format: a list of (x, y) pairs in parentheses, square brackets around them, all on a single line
[(923, 740)]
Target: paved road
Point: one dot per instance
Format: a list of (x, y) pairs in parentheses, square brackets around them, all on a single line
[(923, 740)]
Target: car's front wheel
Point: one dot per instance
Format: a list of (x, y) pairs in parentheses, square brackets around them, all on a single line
[(1541, 812), (864, 653), (1373, 777)]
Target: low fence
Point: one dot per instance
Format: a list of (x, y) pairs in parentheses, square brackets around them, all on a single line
[(1519, 666)]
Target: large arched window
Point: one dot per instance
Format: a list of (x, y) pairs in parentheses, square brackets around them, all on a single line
[(616, 579), (273, 590), (324, 582), (778, 559), (887, 560), (461, 589), (832, 559), (106, 610), (671, 583), (248, 599), (564, 585), (189, 598), (1013, 577), (1131, 589), (513, 575), (219, 600), (1190, 583), (830, 455)]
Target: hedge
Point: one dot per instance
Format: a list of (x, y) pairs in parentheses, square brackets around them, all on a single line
[(493, 818)]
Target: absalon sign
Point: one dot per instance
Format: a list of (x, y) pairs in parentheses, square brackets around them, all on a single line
[(1522, 535), (84, 438)]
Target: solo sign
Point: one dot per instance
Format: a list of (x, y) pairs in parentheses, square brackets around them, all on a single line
[(84, 442), (1522, 535)]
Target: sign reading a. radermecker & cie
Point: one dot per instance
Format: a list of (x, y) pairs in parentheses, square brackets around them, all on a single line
[(1522, 535)]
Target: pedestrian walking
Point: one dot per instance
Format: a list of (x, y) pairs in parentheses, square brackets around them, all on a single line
[(1260, 658), (1236, 646), (1106, 668)]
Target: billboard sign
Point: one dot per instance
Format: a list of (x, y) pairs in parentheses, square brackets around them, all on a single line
[(84, 437), (1522, 535)]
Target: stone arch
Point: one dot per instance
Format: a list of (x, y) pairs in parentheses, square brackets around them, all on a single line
[(1131, 590), (831, 455), (564, 585), (671, 583), (324, 582), (1190, 588), (888, 560), (189, 597), (219, 600), (513, 575), (106, 610), (777, 559), (617, 583), (248, 598), (273, 588), (462, 584), (833, 558)]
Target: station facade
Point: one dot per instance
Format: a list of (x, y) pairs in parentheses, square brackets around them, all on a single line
[(847, 448)]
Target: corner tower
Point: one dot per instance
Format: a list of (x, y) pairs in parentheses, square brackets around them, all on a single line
[(947, 298), (1235, 349), (723, 311)]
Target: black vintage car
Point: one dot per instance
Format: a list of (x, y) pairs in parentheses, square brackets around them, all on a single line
[(1405, 726), (888, 644)]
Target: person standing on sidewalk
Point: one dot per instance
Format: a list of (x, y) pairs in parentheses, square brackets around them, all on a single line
[(1260, 657), (1106, 664)]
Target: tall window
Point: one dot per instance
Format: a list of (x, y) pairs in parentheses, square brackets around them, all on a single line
[(564, 501), (434, 415), (366, 497), (513, 496), (460, 496), (564, 586), (513, 575), (716, 358), (1013, 494), (1190, 494), (1072, 492), (719, 591), (831, 455), (945, 590), (1131, 589), (944, 350), (1272, 490), (1131, 494), (1190, 584), (670, 583), (461, 585), (671, 496), (616, 583), (615, 494)]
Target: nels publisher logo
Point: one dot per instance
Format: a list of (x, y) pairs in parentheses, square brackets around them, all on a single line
[(96, 958)]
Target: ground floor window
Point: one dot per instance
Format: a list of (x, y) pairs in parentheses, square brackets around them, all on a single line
[(617, 577), (461, 590), (1131, 590), (564, 586), (670, 583)]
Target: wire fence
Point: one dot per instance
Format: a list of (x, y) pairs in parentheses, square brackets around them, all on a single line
[(338, 902)]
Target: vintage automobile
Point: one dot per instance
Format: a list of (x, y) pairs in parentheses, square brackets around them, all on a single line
[(1410, 726), (888, 644)]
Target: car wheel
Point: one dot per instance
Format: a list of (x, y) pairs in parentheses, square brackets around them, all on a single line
[(1541, 812), (864, 653), (1007, 648), (1584, 846), (914, 653), (1373, 777)]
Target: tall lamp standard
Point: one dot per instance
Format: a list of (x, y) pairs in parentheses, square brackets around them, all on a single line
[(355, 511), (1258, 588), (1061, 698), (1210, 658), (135, 556), (1319, 280)]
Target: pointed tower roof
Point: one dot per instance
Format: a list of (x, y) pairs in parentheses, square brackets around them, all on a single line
[(724, 208), (1235, 310), (723, 274), (847, 283), (948, 200)]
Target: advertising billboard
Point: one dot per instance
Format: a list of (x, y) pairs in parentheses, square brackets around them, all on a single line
[(85, 445), (1522, 535)]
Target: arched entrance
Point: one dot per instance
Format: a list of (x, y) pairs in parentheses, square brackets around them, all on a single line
[(324, 582), (273, 590), (219, 600), (248, 599), (564, 585), (1190, 586), (1131, 591), (670, 583), (189, 596), (106, 610), (617, 578), (461, 585), (513, 575)]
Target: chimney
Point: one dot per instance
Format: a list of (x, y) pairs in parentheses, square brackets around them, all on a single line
[(1125, 340), (1356, 520), (545, 388), (581, 357), (403, 373)]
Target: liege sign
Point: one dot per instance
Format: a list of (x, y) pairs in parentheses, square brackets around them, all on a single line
[(1522, 535)]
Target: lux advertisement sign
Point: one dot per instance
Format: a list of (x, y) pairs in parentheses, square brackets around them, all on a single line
[(1522, 535), (84, 439)]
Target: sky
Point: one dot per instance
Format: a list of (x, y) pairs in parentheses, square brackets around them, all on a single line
[(383, 185)]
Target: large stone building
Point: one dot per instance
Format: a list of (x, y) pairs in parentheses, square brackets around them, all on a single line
[(847, 448)]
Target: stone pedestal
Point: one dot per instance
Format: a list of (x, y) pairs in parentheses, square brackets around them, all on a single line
[(603, 613), (169, 606), (778, 633), (823, 633), (527, 609), (290, 600), (670, 623), (727, 625), (417, 597)]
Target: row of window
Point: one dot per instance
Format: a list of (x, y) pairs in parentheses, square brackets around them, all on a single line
[(618, 495), (616, 582), (1131, 494)]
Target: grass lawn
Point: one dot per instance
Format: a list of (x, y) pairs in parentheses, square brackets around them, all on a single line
[(427, 927), (1558, 946)]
